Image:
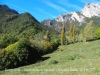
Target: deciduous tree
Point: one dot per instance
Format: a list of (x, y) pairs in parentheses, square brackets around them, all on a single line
[(63, 35), (88, 32)]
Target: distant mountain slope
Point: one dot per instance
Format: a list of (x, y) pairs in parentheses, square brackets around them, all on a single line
[(91, 11), (5, 11), (11, 22), (18, 23)]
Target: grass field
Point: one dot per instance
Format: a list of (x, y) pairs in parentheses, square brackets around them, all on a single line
[(74, 59)]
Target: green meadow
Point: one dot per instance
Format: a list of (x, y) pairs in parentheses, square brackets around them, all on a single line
[(74, 59)]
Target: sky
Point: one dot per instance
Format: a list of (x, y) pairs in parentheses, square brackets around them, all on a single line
[(46, 9)]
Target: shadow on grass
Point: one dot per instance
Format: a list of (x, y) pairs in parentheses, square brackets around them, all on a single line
[(39, 60), (44, 58)]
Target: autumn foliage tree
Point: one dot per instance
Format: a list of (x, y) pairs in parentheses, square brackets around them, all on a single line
[(88, 33), (72, 32), (97, 33), (63, 38), (47, 35)]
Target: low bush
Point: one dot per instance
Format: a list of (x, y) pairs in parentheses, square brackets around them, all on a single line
[(53, 62), (17, 54), (47, 47), (71, 57), (55, 43), (97, 33), (44, 47), (14, 55)]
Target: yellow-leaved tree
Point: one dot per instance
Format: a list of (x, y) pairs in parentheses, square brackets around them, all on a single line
[(72, 33), (47, 35), (63, 37), (88, 33)]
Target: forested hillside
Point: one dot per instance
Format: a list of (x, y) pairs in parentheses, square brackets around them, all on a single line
[(24, 40)]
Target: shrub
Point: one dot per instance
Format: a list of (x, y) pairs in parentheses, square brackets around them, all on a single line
[(36, 45), (47, 47), (5, 40), (44, 46), (7, 59), (60, 48), (97, 33), (80, 36), (69, 41), (14, 55), (55, 43), (72, 57), (53, 62)]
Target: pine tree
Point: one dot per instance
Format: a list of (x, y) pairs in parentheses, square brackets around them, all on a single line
[(63, 35)]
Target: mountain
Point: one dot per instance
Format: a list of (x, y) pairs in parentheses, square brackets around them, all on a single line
[(5, 11), (18, 23), (22, 40), (21, 25), (71, 17), (48, 22), (13, 22), (89, 11)]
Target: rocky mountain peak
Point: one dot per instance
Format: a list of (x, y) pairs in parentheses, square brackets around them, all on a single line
[(89, 10)]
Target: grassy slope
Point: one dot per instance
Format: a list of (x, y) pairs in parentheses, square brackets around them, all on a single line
[(75, 59)]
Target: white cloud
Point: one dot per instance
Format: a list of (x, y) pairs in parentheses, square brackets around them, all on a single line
[(58, 8), (41, 10), (66, 3), (18, 7)]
